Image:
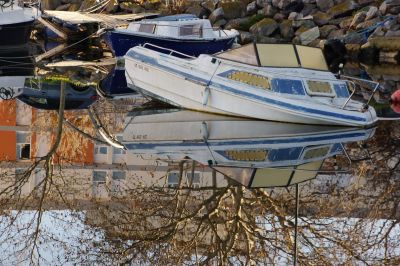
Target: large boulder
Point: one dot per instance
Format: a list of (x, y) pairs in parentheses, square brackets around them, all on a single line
[(263, 3), (286, 29), (243, 24), (235, 9), (321, 18), (368, 24), (343, 9), (251, 8), (324, 5), (309, 36), (269, 11), (245, 37), (372, 13), (336, 34), (216, 15), (265, 27), (308, 10), (326, 30), (50, 4), (131, 7), (199, 11), (358, 18), (303, 22), (281, 4)]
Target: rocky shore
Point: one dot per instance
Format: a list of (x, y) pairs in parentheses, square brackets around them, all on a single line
[(357, 29)]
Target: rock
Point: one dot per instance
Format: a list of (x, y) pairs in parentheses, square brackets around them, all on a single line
[(337, 21), (269, 11), (210, 5), (378, 32), (263, 3), (393, 10), (383, 8), (326, 30), (295, 16), (263, 39), (281, 4), (265, 27), (243, 24), (336, 34), (309, 35), (234, 9), (279, 17), (365, 2), (358, 18), (220, 23), (368, 23), (395, 27), (63, 7), (321, 18), (132, 7), (342, 9), (303, 22), (354, 39), (372, 12), (345, 23), (294, 6), (216, 15), (393, 2), (50, 4), (286, 30), (324, 5), (251, 8), (245, 37), (391, 33), (199, 11), (308, 10)]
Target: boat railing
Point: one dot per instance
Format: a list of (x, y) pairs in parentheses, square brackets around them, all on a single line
[(358, 84), (6, 4), (171, 51)]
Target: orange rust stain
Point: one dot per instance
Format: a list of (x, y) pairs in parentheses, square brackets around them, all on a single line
[(8, 116), (8, 139), (8, 150)]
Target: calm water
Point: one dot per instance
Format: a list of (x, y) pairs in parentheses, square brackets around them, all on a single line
[(187, 188)]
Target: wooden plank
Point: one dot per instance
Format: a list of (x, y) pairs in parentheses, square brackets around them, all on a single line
[(71, 17), (56, 50), (53, 28), (78, 63)]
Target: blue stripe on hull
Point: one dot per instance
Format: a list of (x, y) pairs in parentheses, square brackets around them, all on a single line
[(120, 44), (295, 140)]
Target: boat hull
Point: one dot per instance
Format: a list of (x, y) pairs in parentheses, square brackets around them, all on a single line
[(182, 91), (120, 43), (15, 34)]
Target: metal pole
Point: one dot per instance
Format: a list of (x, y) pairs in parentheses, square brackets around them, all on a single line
[(295, 226)]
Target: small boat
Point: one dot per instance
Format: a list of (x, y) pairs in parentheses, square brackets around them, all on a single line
[(15, 23), (233, 141), (184, 33), (278, 82)]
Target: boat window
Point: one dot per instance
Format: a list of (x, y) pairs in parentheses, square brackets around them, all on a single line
[(245, 54), (250, 79), (284, 154), (306, 172), (188, 30), (311, 57), (319, 88), (341, 90), (272, 55), (316, 152), (246, 155), (271, 177), (288, 86), (147, 28)]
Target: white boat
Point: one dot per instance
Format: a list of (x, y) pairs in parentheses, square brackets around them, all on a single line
[(232, 141), (285, 82), (15, 23)]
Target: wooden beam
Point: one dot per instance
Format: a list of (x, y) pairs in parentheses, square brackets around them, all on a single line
[(51, 26), (56, 50)]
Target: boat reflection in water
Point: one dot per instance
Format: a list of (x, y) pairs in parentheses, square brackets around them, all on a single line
[(255, 153)]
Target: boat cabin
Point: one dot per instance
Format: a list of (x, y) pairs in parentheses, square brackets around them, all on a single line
[(285, 56), (182, 26)]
